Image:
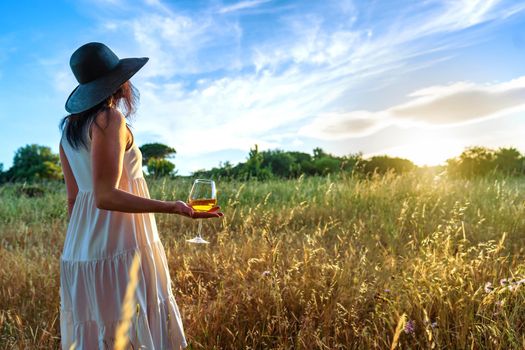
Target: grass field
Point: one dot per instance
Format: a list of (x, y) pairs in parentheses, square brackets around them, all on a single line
[(314, 263)]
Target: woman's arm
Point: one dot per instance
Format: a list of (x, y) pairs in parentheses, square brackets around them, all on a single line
[(71, 184), (107, 152)]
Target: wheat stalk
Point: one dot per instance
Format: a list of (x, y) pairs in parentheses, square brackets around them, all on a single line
[(399, 328), (121, 340)]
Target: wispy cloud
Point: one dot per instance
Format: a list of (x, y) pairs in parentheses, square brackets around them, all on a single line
[(432, 107), (215, 78), (239, 112), (462, 102), (331, 126), (296, 77), (157, 4), (179, 44), (242, 5)]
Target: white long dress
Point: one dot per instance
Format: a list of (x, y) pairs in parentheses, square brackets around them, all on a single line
[(98, 250)]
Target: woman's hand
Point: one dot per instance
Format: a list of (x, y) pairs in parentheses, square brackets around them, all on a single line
[(181, 208)]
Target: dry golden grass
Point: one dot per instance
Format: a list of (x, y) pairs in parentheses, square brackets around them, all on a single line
[(121, 334), (314, 263)]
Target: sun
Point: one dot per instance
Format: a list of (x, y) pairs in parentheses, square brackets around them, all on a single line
[(429, 151)]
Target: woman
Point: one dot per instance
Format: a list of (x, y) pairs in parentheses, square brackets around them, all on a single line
[(111, 214)]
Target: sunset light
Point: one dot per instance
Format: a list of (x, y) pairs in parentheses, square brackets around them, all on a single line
[(262, 174)]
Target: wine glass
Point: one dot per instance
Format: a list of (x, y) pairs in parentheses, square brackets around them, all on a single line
[(202, 198)]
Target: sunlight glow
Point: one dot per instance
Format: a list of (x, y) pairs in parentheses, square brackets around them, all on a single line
[(428, 151)]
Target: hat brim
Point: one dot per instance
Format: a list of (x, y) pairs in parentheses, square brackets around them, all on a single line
[(86, 96)]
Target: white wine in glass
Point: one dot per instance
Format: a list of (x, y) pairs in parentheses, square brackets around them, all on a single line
[(202, 198)]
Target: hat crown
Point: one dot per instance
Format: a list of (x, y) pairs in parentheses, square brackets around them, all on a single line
[(91, 61)]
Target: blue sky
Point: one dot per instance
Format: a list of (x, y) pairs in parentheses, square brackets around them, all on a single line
[(416, 79)]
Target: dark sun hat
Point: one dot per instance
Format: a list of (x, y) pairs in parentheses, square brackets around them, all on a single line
[(99, 73)]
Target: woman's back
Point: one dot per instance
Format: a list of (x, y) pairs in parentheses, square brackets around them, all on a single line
[(96, 233), (97, 254)]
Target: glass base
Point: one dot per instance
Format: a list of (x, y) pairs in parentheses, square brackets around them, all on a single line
[(197, 240)]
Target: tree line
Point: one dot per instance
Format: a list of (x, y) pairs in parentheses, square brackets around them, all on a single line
[(36, 162), (472, 162)]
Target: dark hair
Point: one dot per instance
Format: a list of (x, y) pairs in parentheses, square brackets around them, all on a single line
[(74, 125)]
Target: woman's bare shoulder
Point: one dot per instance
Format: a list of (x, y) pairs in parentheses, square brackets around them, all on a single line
[(110, 117)]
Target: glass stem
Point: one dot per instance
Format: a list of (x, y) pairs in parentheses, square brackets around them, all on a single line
[(200, 227)]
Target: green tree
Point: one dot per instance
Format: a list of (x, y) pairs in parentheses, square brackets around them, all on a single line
[(472, 162), (326, 165), (226, 169), (302, 164), (2, 173), (349, 162), (384, 164), (156, 150), (35, 162), (509, 161), (160, 167), (278, 162), (319, 153), (253, 166)]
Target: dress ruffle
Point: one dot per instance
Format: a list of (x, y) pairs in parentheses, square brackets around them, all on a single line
[(96, 293)]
